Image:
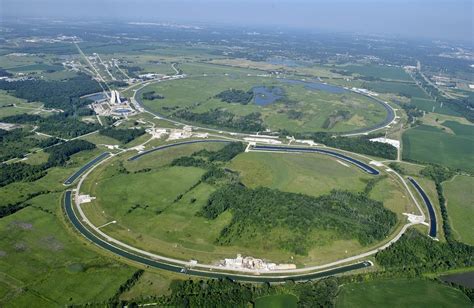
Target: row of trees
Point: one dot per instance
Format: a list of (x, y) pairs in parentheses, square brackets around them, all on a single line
[(228, 293), (262, 209), (222, 118), (361, 144), (152, 95)]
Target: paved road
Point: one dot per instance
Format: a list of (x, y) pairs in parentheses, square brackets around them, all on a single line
[(68, 205), (351, 160), (79, 172), (433, 225)]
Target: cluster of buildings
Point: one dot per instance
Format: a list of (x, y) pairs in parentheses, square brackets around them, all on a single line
[(250, 263), (113, 106)]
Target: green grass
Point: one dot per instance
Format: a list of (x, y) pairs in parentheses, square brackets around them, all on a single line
[(460, 195), (309, 174), (379, 71), (430, 144), (277, 301), (400, 293), (430, 105), (197, 95), (399, 88), (51, 267)]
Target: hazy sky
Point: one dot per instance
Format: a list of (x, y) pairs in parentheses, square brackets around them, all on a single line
[(442, 19)]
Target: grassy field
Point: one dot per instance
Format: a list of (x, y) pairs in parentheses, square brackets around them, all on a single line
[(173, 229), (460, 198), (277, 301), (309, 174), (44, 253), (430, 105), (379, 71), (400, 293), (196, 94), (399, 88), (431, 144)]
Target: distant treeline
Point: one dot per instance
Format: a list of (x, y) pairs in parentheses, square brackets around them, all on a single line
[(225, 119), (122, 135), (151, 95), (236, 96), (262, 209), (58, 156), (60, 125), (62, 94)]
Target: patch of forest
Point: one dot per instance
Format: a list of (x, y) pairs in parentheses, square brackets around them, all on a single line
[(60, 125), (236, 96), (17, 142), (261, 210), (58, 156), (58, 94), (225, 119)]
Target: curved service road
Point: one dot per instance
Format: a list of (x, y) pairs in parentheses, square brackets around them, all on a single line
[(147, 261), (79, 172)]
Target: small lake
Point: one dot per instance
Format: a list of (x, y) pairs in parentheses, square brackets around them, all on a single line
[(266, 95), (316, 85), (464, 279)]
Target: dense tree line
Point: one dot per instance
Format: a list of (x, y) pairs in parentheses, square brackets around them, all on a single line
[(63, 94), (122, 135), (361, 144), (236, 96), (225, 119), (419, 253), (128, 284), (262, 209), (12, 208), (61, 125), (58, 156), (228, 293), (152, 95), (440, 174), (17, 142)]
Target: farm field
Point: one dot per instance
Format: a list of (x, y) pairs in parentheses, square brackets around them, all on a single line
[(378, 71), (400, 293), (431, 144), (460, 203), (301, 109)]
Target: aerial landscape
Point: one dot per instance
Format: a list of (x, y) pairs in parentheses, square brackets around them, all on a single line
[(206, 154)]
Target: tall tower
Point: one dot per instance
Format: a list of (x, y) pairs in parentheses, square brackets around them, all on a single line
[(112, 97)]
